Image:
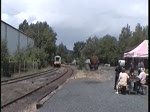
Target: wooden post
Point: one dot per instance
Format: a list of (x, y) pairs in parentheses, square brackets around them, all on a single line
[(37, 65), (19, 67), (14, 67), (33, 64), (2, 71), (9, 67), (24, 66)]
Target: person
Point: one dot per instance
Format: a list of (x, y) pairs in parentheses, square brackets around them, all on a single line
[(131, 69), (140, 65), (142, 76), (118, 69), (122, 80)]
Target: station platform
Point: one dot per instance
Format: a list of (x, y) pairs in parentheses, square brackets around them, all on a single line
[(90, 95)]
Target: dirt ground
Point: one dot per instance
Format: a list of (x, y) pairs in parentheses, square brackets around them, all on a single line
[(102, 74)]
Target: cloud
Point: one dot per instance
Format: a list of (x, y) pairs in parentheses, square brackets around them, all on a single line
[(5, 16), (13, 7), (75, 20)]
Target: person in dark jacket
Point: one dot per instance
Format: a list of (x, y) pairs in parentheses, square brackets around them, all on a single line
[(118, 69), (131, 69)]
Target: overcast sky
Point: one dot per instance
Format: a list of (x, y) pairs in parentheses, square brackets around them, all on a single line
[(77, 20)]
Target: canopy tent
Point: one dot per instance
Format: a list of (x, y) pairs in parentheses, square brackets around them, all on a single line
[(141, 51)]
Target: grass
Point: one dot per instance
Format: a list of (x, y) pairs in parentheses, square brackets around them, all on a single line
[(27, 73)]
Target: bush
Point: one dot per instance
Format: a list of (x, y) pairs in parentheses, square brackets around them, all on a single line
[(80, 63), (4, 58)]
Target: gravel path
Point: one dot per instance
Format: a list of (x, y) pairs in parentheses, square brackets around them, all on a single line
[(91, 95)]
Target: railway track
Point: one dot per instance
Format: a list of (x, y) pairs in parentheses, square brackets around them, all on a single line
[(14, 80), (59, 79)]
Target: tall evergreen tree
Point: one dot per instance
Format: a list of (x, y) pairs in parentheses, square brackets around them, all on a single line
[(24, 26), (124, 38), (139, 35)]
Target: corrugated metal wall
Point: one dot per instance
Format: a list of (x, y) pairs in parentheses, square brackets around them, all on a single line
[(15, 39)]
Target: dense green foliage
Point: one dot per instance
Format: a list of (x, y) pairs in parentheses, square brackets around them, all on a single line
[(4, 51), (78, 46), (4, 58), (44, 41), (108, 48), (90, 47), (66, 55), (81, 63), (62, 51)]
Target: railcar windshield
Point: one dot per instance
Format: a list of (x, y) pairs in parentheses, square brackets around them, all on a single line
[(57, 58)]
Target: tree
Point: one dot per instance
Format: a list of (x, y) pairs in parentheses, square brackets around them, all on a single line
[(4, 51), (90, 48), (62, 51), (139, 35), (108, 50), (124, 38), (69, 57), (145, 32), (43, 35), (24, 26), (78, 46), (4, 58)]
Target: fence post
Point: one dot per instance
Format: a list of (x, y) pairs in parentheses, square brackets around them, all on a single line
[(10, 70), (37, 65), (14, 67), (19, 66), (24, 66), (33, 64), (2, 71), (9, 67)]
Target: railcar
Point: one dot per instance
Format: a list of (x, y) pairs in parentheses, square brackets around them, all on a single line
[(57, 61)]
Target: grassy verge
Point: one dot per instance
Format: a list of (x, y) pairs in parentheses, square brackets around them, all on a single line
[(27, 73)]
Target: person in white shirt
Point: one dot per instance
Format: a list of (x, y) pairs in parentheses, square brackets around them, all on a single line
[(122, 80), (142, 76), (140, 65)]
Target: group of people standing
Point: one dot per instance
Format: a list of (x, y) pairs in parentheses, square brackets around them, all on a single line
[(121, 76)]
